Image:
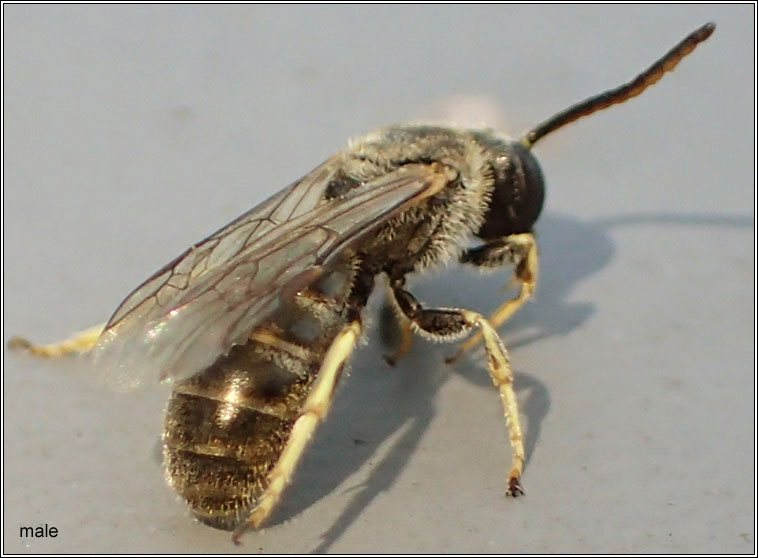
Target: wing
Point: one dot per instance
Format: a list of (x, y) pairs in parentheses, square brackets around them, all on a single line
[(212, 296)]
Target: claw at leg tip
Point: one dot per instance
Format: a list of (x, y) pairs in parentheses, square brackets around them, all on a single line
[(454, 357), (514, 488), (238, 532), (17, 342)]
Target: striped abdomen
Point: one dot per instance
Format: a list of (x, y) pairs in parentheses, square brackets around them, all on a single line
[(226, 427)]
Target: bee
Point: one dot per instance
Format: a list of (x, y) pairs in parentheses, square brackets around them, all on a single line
[(254, 324)]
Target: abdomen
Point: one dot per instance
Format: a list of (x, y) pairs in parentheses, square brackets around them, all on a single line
[(226, 427)]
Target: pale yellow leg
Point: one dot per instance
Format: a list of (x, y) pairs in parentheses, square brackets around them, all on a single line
[(502, 376), (404, 325), (314, 410), (406, 342), (79, 343), (526, 274)]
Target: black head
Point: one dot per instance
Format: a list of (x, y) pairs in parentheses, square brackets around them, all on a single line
[(519, 189), (518, 193)]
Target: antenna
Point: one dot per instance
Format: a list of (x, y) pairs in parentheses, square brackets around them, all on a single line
[(623, 93)]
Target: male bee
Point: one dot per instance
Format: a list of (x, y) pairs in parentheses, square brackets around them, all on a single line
[(254, 324)]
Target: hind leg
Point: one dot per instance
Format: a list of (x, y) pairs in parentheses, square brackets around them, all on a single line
[(79, 343), (314, 410)]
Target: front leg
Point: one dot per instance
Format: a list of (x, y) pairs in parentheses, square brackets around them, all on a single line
[(448, 324), (519, 250)]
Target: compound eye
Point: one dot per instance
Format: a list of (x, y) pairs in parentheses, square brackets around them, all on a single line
[(518, 194)]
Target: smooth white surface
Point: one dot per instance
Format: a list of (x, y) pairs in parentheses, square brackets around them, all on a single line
[(133, 131)]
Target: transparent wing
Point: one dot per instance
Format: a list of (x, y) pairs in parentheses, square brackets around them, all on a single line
[(211, 297)]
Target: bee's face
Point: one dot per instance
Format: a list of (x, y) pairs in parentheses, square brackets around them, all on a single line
[(518, 193)]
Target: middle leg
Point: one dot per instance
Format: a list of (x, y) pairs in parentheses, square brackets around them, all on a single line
[(450, 324)]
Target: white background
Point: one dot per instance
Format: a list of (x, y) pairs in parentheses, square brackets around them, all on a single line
[(133, 131)]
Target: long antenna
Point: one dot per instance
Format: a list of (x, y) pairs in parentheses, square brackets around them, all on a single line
[(623, 93)]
